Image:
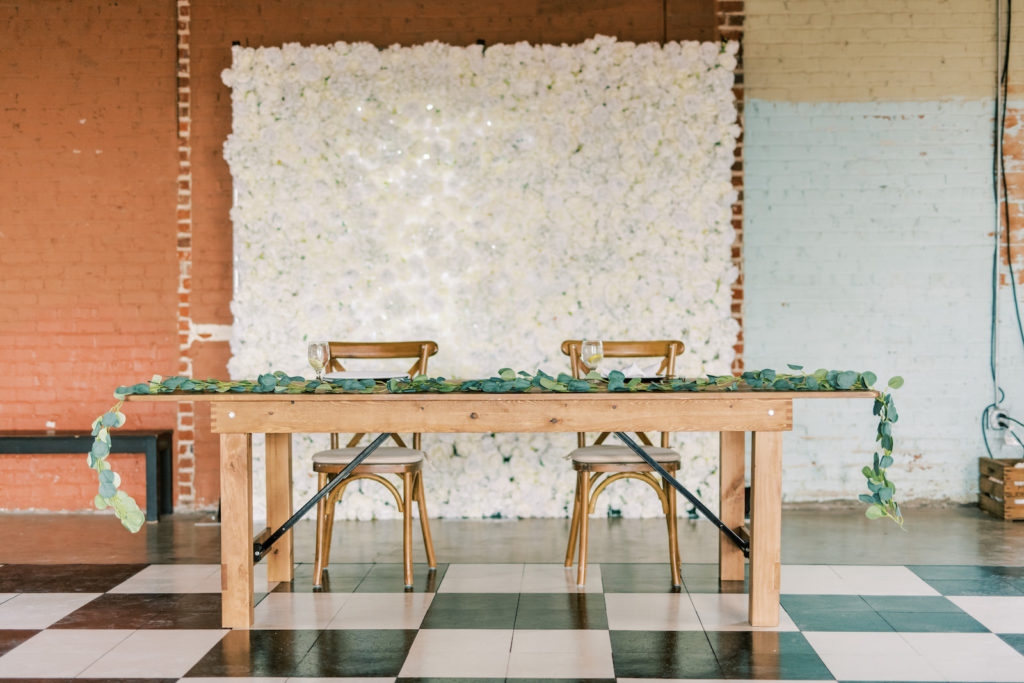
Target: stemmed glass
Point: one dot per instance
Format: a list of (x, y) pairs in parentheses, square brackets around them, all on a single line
[(591, 353), (319, 353)]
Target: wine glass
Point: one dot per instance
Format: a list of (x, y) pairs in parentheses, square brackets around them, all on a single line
[(318, 354), (591, 353)]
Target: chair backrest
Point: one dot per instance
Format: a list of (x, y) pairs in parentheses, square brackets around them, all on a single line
[(419, 350), (665, 349)]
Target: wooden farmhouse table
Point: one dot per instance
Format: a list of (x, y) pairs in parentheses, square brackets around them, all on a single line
[(237, 416)]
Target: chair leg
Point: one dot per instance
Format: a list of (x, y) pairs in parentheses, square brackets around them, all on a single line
[(407, 486), (318, 556), (673, 540), (428, 542), (574, 524), (584, 486)]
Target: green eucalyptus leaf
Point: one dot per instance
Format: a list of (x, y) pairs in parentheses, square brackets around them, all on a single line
[(811, 382), (876, 511), (100, 502), (768, 375), (549, 384), (798, 368), (507, 374), (107, 489), (896, 382), (886, 462), (868, 472), (865, 498), (868, 378), (885, 494), (845, 380)]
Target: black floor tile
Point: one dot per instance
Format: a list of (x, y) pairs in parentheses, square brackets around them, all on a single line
[(147, 610), (452, 680), (472, 610), (965, 571), (663, 654), (64, 578), (833, 613), (12, 638), (993, 585), (339, 578), (561, 611), (256, 653), (933, 622), (1014, 640), (390, 578), (637, 578), (356, 653), (911, 603), (766, 655)]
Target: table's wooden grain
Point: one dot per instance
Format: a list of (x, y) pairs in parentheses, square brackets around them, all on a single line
[(766, 414)]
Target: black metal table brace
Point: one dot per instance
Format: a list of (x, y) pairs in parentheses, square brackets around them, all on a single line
[(729, 533), (261, 548)]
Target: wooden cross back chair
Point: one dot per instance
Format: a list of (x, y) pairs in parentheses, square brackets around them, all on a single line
[(600, 464), (405, 461)]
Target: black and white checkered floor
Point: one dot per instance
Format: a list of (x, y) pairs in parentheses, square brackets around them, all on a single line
[(494, 622)]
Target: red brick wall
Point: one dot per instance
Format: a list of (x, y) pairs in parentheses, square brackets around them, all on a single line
[(87, 166), (91, 242)]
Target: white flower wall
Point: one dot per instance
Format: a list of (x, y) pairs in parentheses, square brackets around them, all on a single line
[(497, 202)]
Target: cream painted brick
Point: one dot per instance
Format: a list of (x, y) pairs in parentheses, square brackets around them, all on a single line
[(867, 247)]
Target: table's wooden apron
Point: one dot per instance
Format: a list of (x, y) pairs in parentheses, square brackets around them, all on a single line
[(236, 417)]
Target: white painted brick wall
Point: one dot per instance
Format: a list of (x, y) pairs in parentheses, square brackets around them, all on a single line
[(867, 247)]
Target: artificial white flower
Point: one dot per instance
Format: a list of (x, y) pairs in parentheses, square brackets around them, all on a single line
[(497, 202)]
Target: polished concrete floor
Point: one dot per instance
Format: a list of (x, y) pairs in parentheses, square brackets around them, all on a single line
[(811, 535)]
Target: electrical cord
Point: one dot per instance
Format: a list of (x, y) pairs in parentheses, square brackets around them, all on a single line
[(1000, 182)]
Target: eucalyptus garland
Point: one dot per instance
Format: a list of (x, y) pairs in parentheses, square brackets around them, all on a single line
[(881, 499)]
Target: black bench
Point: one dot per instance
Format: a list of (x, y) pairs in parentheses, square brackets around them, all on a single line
[(156, 444)]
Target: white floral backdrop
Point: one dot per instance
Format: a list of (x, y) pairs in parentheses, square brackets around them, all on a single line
[(497, 202)]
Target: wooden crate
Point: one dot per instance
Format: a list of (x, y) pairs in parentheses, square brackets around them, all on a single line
[(1001, 487)]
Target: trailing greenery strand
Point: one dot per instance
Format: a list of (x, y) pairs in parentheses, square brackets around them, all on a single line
[(881, 500)]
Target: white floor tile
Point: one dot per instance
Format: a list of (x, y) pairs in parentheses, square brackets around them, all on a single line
[(969, 656), (555, 578), (382, 610), (4, 597), (561, 654), (729, 612), (155, 653), (698, 680), (59, 653), (871, 656), (651, 612), (39, 610), (482, 578), (999, 613), (186, 578), (173, 578), (812, 579), (459, 653), (882, 580), (298, 610)]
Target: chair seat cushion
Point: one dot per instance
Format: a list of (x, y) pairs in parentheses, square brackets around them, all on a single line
[(385, 455), (610, 455)]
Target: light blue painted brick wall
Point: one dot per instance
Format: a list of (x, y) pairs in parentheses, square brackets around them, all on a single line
[(867, 246)]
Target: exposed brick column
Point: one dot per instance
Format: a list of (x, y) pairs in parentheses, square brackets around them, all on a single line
[(185, 428), (731, 15)]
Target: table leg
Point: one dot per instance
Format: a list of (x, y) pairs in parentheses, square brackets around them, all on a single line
[(766, 528), (236, 556), (280, 560), (731, 470)]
